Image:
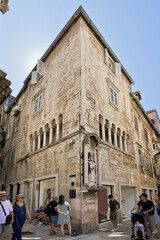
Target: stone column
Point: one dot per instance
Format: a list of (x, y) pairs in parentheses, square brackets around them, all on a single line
[(109, 134), (86, 164), (44, 138), (39, 140), (115, 138), (34, 144), (99, 167), (103, 130), (50, 134), (30, 195), (125, 143)]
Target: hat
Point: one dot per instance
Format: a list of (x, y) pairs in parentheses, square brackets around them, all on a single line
[(3, 193), (20, 195)]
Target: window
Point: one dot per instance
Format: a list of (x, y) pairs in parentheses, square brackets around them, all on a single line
[(136, 123), (39, 102), (146, 134), (140, 158), (12, 157), (112, 96), (150, 164)]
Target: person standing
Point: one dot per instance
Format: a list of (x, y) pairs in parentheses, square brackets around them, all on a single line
[(114, 206), (8, 209), (48, 198), (64, 215), (20, 209), (148, 210), (156, 217), (54, 214)]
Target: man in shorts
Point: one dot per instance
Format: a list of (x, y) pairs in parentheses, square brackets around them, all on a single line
[(114, 205), (8, 209), (54, 214)]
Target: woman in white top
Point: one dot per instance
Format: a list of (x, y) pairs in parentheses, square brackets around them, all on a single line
[(157, 218)]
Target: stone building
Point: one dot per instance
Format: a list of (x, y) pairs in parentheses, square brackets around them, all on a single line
[(5, 92), (79, 130)]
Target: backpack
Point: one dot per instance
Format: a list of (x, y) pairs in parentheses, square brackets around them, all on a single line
[(48, 209)]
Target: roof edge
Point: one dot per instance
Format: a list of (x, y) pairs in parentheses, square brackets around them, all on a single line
[(82, 12), (145, 114)]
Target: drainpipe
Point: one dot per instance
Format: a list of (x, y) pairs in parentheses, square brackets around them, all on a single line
[(9, 150)]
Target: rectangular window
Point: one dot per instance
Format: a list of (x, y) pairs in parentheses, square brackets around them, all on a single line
[(146, 134), (39, 102), (140, 158), (136, 123), (150, 164), (112, 96)]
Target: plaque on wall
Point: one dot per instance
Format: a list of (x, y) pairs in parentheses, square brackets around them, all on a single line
[(72, 193)]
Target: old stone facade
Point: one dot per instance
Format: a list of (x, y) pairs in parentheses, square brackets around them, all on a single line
[(79, 130)]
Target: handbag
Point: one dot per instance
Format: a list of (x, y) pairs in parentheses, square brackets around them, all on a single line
[(8, 217)]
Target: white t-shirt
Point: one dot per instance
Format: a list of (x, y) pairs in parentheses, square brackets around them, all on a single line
[(7, 207)]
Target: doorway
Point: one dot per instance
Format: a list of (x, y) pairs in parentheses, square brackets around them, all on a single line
[(44, 185), (128, 199)]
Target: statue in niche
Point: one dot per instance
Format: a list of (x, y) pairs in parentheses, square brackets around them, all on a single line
[(92, 169)]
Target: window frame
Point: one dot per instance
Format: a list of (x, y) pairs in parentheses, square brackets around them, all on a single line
[(38, 103), (136, 123), (113, 96), (140, 157), (150, 164)]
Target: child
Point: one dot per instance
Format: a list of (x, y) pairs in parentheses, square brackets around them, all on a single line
[(139, 226)]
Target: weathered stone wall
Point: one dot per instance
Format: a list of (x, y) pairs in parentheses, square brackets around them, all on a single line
[(76, 85)]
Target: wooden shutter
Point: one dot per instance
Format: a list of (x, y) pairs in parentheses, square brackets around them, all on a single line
[(34, 77), (102, 201), (40, 67), (117, 69), (106, 57)]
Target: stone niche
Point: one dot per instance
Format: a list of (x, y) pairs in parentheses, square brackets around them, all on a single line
[(92, 161)]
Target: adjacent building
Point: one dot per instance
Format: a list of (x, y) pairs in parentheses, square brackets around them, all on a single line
[(77, 128)]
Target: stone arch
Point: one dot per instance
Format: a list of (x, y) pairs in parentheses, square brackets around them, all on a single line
[(54, 127), (60, 122), (92, 160), (41, 137), (123, 140), (118, 137), (36, 140), (113, 129), (100, 125), (47, 130), (93, 135), (107, 127)]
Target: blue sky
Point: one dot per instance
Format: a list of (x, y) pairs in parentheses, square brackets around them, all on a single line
[(131, 28)]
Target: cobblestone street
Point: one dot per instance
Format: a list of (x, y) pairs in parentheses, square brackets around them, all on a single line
[(39, 232)]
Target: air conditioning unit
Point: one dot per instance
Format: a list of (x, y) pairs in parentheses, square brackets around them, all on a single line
[(16, 110)]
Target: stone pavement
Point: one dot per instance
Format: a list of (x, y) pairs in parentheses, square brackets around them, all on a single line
[(39, 232)]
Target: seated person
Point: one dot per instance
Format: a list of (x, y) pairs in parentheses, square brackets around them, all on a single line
[(139, 226), (41, 216)]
